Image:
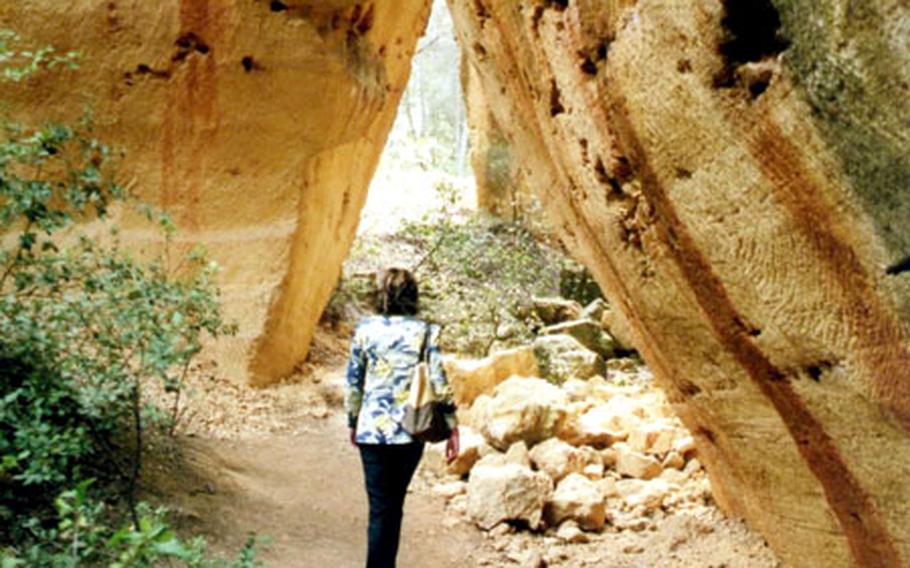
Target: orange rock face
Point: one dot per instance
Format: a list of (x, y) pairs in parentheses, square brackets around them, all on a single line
[(732, 173), (257, 125)]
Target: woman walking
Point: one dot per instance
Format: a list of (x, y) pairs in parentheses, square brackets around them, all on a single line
[(384, 351)]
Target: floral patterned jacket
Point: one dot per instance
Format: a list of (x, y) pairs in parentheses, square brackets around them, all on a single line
[(384, 351)]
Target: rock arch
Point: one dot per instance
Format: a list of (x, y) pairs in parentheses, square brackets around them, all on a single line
[(738, 190)]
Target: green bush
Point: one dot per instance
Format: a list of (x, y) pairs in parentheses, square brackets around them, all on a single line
[(84, 328), (478, 275), (82, 537)]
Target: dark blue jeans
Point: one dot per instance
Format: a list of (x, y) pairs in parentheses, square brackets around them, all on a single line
[(387, 471)]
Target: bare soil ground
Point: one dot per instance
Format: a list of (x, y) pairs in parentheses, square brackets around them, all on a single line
[(304, 492), (277, 462)]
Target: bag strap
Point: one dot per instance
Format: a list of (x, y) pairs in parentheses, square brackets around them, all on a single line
[(424, 350)]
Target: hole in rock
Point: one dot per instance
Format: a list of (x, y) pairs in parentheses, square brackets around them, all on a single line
[(752, 31), (688, 388), (600, 171), (481, 10), (683, 173), (587, 66), (817, 371), (555, 99), (759, 87), (187, 44), (144, 69), (249, 64), (363, 19), (752, 40), (707, 434), (899, 267), (277, 6)]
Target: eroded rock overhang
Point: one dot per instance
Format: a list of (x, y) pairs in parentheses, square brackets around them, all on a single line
[(733, 172)]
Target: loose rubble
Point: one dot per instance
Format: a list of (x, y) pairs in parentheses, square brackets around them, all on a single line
[(589, 449)]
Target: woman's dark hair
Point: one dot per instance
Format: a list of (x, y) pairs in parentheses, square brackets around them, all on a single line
[(398, 294)]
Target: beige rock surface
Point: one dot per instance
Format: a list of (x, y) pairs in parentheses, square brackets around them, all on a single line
[(471, 378), (563, 357), (579, 499), (471, 448), (616, 324), (737, 183), (634, 464), (605, 423), (552, 311), (521, 409), (557, 458), (257, 126), (498, 493)]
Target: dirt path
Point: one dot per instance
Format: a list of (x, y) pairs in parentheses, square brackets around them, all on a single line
[(304, 491), (277, 462)]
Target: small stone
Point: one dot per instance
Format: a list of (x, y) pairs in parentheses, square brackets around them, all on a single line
[(527, 409), (557, 458), (571, 533), (556, 310), (579, 499), (609, 457), (493, 459), (434, 460), (469, 452), (451, 489), (633, 464), (655, 438), (693, 467), (530, 559), (563, 357), (673, 461), (518, 454), (577, 389), (593, 471), (608, 487), (555, 556), (626, 365), (459, 504), (586, 332), (595, 310), (627, 487), (684, 446), (498, 493), (470, 378), (647, 495), (673, 476)]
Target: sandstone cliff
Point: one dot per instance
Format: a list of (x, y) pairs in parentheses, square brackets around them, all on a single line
[(256, 124), (736, 174)]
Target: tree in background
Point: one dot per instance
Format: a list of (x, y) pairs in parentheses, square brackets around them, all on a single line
[(431, 129)]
